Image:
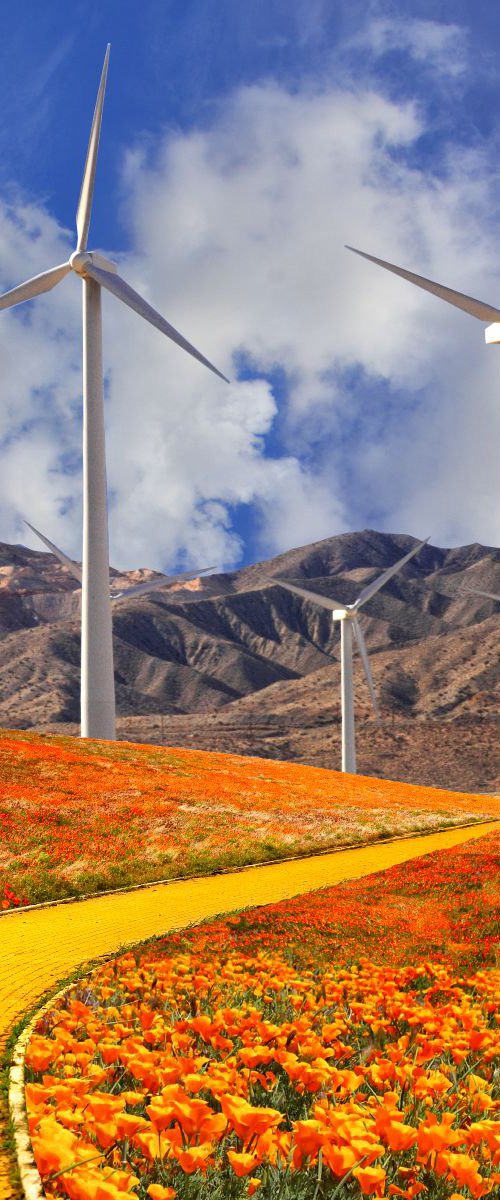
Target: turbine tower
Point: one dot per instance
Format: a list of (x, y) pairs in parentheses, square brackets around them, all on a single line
[(96, 273), (347, 614)]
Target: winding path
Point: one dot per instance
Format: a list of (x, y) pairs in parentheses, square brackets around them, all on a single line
[(41, 946)]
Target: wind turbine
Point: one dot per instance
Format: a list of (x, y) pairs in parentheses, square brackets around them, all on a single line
[(136, 589), (96, 273), (347, 614), (476, 308)]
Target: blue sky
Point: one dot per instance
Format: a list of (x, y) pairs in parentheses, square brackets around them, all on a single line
[(243, 144)]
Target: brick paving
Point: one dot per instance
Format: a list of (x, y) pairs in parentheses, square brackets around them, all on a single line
[(39, 948)]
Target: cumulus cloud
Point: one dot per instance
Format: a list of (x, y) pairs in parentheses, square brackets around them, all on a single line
[(355, 399), (381, 381)]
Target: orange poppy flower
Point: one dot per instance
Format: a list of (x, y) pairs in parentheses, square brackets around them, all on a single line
[(150, 1144), (133, 1098), (54, 1153), (105, 1107), (247, 1120), (194, 1159), (371, 1180), (399, 1136), (242, 1164), (411, 1192), (109, 1053), (437, 1135), (160, 1114), (106, 1133), (464, 1169), (340, 1159), (41, 1053), (127, 1125), (308, 1136)]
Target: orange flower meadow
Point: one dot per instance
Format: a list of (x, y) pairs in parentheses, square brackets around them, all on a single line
[(80, 817), (342, 1044)]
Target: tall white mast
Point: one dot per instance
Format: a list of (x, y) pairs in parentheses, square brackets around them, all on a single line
[(347, 698), (97, 705), (97, 680)]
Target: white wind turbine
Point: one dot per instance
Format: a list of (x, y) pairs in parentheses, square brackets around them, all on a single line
[(136, 589), (476, 308), (347, 614), (96, 273)]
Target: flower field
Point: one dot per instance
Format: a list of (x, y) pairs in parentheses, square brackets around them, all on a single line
[(80, 817), (342, 1044)]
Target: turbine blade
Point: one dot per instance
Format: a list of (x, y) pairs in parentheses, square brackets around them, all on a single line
[(374, 587), (34, 287), (316, 597), (154, 585), (360, 638), (115, 284), (84, 210), (476, 592), (72, 566), (476, 308)]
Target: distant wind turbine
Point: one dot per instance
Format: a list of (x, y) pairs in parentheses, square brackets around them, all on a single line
[(476, 308), (347, 614), (137, 589), (96, 273)]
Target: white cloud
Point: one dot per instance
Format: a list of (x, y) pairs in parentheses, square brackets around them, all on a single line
[(257, 209), (238, 233), (41, 367), (440, 47)]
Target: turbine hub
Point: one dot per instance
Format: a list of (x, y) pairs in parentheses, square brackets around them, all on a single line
[(83, 258), (79, 261)]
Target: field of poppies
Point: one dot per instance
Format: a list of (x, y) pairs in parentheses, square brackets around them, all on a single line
[(343, 1044), (81, 817)]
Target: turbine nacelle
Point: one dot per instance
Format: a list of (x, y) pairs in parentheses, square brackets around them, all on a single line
[(341, 614), (81, 260)]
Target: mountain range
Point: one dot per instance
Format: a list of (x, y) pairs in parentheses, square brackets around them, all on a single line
[(235, 662)]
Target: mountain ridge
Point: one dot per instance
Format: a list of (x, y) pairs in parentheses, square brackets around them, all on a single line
[(235, 651)]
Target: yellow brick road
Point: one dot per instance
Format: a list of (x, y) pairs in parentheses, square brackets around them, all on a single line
[(41, 947)]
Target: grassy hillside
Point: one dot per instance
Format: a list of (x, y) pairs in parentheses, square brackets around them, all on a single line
[(82, 816)]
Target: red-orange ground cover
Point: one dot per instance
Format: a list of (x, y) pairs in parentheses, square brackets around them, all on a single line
[(342, 1044), (84, 816)]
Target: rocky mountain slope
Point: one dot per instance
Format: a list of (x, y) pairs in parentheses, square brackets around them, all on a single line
[(235, 662)]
